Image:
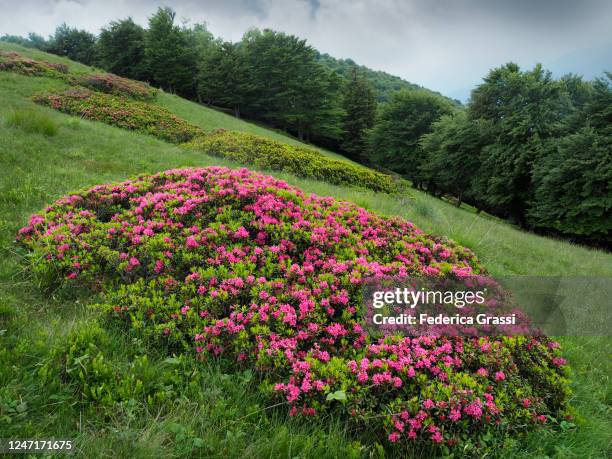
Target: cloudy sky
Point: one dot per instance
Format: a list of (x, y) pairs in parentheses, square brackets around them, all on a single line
[(445, 45)]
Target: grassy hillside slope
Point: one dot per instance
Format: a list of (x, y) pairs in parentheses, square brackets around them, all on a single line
[(45, 154), (207, 118)]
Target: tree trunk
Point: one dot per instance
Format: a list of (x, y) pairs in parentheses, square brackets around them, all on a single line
[(460, 199)]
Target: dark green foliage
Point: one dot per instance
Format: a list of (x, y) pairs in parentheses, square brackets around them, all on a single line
[(78, 45), (573, 187), (525, 108), (532, 149), (452, 155), (580, 93), (573, 183), (170, 59), (121, 49), (223, 78), (359, 103), (599, 108), (292, 90), (401, 123)]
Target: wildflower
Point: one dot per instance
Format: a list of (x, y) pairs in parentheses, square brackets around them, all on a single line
[(191, 243)]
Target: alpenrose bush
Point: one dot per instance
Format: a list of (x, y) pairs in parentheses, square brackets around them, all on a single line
[(15, 62), (103, 82), (122, 112), (113, 84), (303, 162), (233, 265)]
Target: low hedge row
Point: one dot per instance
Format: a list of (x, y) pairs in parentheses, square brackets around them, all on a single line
[(122, 112), (303, 162), (113, 84)]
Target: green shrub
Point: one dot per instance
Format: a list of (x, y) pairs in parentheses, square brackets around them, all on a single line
[(89, 360), (32, 121), (122, 112), (303, 162)]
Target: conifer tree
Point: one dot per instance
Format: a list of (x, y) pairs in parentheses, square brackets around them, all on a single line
[(359, 104)]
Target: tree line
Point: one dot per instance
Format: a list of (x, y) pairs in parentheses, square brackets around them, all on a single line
[(527, 147), (267, 76)]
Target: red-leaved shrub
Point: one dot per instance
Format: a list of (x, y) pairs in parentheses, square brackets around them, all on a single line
[(113, 84), (15, 62)]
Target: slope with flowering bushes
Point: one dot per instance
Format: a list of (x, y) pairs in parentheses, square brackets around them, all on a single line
[(107, 98), (239, 146), (103, 82), (229, 264), (15, 62), (121, 112)]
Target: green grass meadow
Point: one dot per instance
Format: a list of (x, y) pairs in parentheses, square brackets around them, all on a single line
[(46, 154)]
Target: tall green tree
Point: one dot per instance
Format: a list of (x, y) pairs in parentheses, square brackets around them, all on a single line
[(223, 78), (399, 127), (316, 113), (452, 155), (359, 103), (293, 90), (200, 39), (526, 111), (121, 49), (599, 107), (78, 45), (573, 182), (169, 56), (573, 187)]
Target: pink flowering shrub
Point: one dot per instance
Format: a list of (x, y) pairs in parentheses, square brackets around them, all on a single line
[(113, 84), (103, 82), (123, 113), (229, 264), (15, 62)]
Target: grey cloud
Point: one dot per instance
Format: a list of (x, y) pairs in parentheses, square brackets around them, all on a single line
[(447, 45)]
